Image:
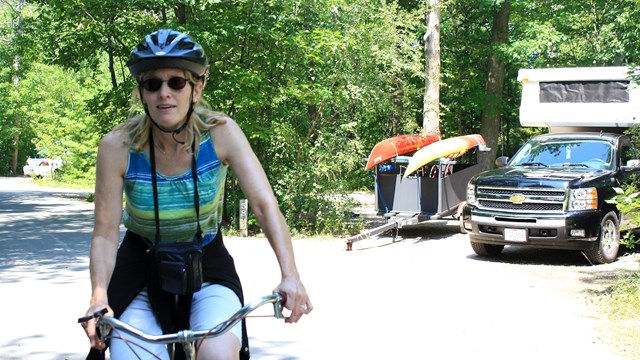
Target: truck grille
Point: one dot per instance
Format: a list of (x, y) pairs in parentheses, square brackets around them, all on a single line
[(526, 200)]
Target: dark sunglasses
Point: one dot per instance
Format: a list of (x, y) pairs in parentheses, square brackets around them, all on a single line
[(154, 84)]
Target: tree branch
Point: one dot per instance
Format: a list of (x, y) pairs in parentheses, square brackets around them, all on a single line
[(6, 2)]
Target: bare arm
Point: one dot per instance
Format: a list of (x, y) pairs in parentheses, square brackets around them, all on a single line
[(233, 148), (110, 167)]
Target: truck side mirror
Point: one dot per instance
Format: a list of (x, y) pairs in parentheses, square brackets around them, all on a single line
[(632, 165), (502, 161)]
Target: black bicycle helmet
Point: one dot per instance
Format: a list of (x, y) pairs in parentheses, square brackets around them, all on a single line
[(167, 49)]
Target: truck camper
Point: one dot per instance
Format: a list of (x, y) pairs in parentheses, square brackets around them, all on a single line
[(579, 99), (553, 193)]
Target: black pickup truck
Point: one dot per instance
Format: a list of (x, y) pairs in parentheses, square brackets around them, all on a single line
[(552, 194)]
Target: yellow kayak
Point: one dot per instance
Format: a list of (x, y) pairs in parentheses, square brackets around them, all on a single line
[(450, 148)]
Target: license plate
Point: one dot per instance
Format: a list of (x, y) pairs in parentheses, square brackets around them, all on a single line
[(515, 235)]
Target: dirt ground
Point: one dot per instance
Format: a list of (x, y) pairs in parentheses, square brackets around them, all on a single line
[(565, 273)]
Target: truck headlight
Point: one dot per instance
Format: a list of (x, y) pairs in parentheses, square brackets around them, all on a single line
[(471, 194), (583, 199)]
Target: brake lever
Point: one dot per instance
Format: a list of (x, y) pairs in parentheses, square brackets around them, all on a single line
[(96, 314)]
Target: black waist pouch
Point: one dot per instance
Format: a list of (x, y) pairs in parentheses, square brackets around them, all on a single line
[(179, 266)]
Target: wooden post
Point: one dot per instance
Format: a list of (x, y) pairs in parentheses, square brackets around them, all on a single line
[(244, 212)]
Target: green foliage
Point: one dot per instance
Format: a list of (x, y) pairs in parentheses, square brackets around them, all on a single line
[(312, 198), (54, 108), (314, 84), (627, 198), (628, 202)]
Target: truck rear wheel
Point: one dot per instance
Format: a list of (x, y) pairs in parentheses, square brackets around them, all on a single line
[(605, 250), (487, 250)]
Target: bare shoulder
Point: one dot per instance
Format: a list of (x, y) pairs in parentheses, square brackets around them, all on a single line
[(229, 139), (115, 140), (225, 126), (113, 151)]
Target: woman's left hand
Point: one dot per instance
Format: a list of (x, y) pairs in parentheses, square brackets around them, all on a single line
[(297, 299)]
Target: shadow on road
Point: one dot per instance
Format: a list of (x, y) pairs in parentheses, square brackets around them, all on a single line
[(269, 349), (530, 256), (520, 255), (40, 237)]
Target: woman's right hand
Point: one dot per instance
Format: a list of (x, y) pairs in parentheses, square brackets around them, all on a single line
[(90, 325)]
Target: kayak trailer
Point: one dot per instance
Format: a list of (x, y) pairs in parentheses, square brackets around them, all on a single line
[(433, 192)]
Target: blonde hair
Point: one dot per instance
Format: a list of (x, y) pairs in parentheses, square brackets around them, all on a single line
[(138, 125)]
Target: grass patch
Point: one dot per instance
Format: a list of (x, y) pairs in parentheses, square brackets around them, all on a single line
[(625, 296), (76, 185), (620, 306)]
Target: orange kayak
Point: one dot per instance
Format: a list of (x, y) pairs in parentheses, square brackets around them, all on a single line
[(399, 145), (450, 148)]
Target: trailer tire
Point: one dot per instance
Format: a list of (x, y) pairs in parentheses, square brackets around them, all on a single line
[(605, 249), (486, 250), (461, 225)]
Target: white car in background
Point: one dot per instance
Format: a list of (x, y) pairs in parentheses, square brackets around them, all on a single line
[(41, 167)]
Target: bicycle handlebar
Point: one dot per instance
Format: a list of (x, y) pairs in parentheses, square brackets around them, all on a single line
[(104, 323)]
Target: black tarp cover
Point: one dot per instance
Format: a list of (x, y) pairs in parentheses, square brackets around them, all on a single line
[(584, 92)]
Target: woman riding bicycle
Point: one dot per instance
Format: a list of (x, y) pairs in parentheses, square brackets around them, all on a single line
[(171, 163)]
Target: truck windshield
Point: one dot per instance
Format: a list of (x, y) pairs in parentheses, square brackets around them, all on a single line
[(591, 154)]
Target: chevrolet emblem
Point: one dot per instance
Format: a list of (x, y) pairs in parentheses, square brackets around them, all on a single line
[(517, 199)]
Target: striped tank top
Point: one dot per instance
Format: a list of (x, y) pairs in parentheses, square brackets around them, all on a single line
[(175, 197)]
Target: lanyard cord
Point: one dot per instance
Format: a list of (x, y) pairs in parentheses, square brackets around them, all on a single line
[(154, 179)]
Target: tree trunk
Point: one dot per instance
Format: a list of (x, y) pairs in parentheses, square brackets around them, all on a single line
[(17, 121), (181, 13), (397, 110), (431, 107), (490, 128), (112, 69)]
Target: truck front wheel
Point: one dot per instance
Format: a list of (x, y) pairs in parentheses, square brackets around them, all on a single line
[(486, 250), (605, 250)]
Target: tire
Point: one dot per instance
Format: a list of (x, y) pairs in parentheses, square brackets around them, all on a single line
[(605, 249), (486, 250)]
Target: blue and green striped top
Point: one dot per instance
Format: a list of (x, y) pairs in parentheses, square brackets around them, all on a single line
[(175, 197)]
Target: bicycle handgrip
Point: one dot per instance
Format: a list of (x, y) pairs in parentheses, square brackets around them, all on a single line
[(95, 315)]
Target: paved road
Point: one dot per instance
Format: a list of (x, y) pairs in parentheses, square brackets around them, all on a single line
[(44, 241), (425, 297)]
